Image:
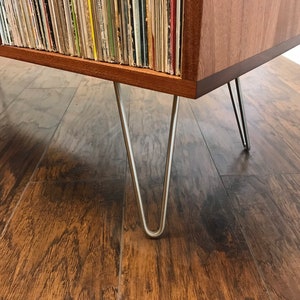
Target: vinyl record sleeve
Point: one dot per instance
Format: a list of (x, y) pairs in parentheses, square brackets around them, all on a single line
[(69, 27), (137, 32), (10, 21), (7, 39), (179, 14), (54, 23), (50, 28), (130, 35)]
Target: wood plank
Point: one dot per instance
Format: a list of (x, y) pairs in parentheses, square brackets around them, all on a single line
[(26, 127), (86, 145), (288, 71), (3, 61), (80, 256), (63, 242), (268, 210), (273, 114), (15, 77), (278, 100), (53, 78), (203, 254), (191, 38)]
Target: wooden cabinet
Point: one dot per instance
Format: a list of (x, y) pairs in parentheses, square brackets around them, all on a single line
[(222, 39)]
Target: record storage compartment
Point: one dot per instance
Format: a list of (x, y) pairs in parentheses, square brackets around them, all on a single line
[(221, 40)]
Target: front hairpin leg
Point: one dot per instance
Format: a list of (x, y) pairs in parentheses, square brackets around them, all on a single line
[(170, 150), (241, 117)]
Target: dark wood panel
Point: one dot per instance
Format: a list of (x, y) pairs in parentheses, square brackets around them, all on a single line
[(233, 31), (191, 38), (203, 254), (268, 209), (219, 78), (63, 242), (26, 128)]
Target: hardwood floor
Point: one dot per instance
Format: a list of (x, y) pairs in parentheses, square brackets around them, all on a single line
[(69, 224)]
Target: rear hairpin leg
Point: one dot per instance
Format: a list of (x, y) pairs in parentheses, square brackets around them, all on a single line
[(241, 117), (174, 116)]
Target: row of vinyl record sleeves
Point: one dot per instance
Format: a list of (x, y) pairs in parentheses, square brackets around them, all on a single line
[(142, 33)]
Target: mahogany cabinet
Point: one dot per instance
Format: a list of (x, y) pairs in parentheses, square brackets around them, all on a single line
[(222, 39)]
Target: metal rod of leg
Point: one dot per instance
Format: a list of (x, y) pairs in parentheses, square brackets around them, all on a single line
[(170, 150), (243, 114), (241, 121), (236, 113)]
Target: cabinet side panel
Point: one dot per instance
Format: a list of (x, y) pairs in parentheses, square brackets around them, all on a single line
[(192, 20), (233, 31)]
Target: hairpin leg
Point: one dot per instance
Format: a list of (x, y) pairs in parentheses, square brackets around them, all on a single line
[(159, 231), (240, 119)]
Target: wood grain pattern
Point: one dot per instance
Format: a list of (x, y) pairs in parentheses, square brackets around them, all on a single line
[(217, 79), (63, 242), (203, 247), (233, 31), (288, 72), (84, 146), (191, 38), (26, 127), (273, 113), (221, 41), (71, 228), (14, 79), (268, 209), (281, 99), (53, 78)]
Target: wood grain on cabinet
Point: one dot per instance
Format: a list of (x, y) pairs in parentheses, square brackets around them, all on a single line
[(221, 40)]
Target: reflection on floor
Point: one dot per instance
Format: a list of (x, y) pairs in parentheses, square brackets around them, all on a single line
[(69, 224)]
